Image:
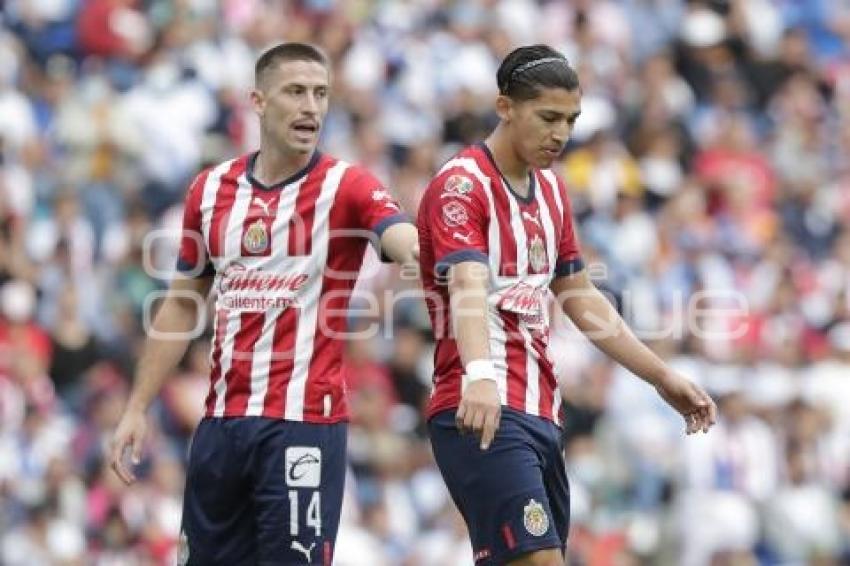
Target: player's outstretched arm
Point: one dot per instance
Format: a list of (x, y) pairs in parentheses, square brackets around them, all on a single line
[(480, 406), (591, 312), (176, 318), (400, 242)]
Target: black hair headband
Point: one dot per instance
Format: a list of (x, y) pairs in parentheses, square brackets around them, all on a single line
[(531, 64)]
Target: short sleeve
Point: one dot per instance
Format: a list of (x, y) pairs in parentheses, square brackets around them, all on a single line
[(456, 213), (372, 207), (569, 260), (192, 258)]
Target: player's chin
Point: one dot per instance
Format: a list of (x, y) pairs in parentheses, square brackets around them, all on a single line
[(544, 160), (302, 145)]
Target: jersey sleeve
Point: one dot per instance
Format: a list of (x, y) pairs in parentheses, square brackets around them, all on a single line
[(456, 212), (569, 260), (192, 257), (371, 206)]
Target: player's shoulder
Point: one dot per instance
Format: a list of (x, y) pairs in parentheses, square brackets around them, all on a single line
[(462, 176), (471, 160), (354, 172), (198, 182), (227, 167), (213, 176), (356, 178)]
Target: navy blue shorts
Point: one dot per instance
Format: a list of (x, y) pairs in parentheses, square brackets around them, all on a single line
[(514, 496), (262, 491)]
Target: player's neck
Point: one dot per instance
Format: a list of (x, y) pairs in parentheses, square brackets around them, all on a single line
[(273, 166), (510, 165)]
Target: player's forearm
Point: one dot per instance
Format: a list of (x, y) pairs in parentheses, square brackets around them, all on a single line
[(468, 295), (176, 318), (399, 241), (597, 319)]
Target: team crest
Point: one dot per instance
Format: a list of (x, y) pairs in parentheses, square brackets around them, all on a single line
[(454, 214), (183, 549), (457, 185), (256, 238), (535, 519), (537, 254)]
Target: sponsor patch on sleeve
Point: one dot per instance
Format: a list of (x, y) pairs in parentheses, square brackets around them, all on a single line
[(457, 186)]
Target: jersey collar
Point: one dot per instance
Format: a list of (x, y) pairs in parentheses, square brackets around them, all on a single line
[(532, 182), (252, 159)]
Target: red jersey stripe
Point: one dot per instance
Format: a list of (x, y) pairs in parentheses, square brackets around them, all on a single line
[(282, 362)]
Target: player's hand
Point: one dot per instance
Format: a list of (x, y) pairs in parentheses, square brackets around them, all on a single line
[(690, 400), (479, 411), (130, 433)]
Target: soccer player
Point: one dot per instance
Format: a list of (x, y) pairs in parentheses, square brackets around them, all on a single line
[(281, 234), (496, 235)]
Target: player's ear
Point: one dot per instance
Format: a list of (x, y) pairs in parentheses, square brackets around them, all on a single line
[(258, 101), (505, 108)]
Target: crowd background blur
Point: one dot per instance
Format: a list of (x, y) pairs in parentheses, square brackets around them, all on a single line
[(710, 177)]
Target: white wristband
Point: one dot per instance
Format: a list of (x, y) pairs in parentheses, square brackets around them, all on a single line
[(476, 370)]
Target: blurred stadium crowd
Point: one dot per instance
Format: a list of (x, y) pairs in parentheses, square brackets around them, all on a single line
[(709, 172)]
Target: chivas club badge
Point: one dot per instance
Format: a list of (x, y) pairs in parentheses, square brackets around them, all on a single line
[(537, 254), (256, 238), (535, 519)]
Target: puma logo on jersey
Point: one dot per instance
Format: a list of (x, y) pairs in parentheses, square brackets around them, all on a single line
[(296, 545), (531, 218), (262, 204), (465, 238)]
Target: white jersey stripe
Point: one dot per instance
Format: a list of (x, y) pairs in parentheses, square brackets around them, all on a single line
[(310, 294), (532, 368), (242, 202), (211, 188), (556, 192), (261, 364), (232, 247), (556, 403), (552, 253), (553, 182), (498, 354), (280, 226), (231, 327), (518, 230)]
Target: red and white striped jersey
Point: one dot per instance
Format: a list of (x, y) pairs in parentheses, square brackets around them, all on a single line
[(285, 259), (470, 213)]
